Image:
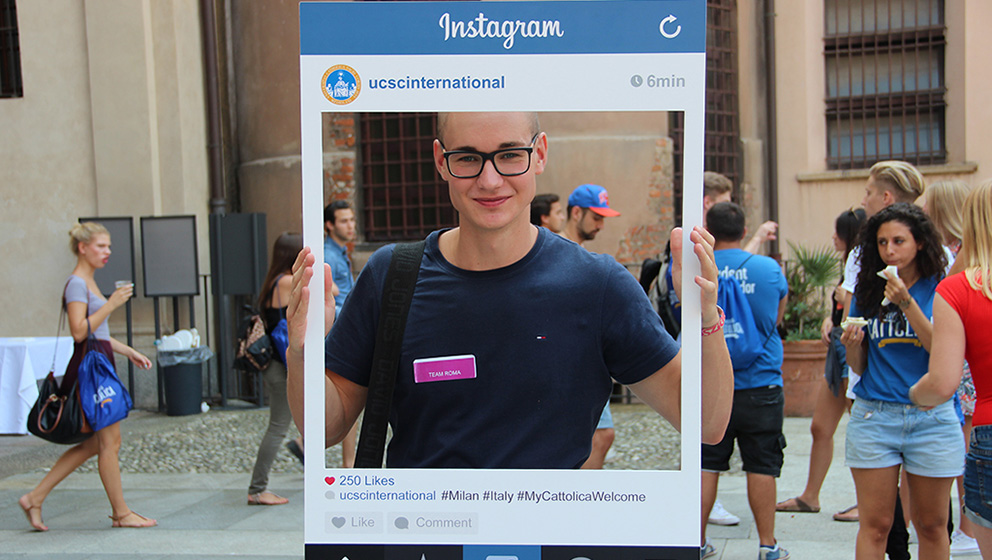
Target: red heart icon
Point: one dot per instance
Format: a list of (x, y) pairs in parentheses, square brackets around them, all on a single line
[(329, 480)]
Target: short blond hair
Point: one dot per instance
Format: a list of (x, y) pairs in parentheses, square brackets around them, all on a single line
[(442, 124), (83, 233), (945, 204), (715, 184), (901, 178), (976, 249)]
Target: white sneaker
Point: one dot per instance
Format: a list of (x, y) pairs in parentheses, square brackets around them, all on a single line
[(720, 516), (963, 545)]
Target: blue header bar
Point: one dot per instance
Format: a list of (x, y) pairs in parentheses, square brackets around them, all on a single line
[(481, 28)]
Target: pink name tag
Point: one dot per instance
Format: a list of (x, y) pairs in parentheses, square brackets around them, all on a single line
[(448, 368)]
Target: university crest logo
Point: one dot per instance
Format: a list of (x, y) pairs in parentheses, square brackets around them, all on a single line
[(341, 84)]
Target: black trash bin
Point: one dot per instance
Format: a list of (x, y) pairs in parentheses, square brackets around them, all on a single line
[(182, 371), (183, 388)]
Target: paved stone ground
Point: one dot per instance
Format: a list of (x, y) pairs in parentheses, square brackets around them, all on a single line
[(226, 441), (194, 474)]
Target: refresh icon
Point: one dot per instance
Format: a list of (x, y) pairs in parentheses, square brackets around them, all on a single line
[(665, 23)]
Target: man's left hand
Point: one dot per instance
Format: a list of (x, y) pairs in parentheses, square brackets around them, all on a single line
[(702, 242)]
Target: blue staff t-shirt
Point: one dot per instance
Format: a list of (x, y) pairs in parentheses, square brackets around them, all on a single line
[(547, 334), (764, 287), (896, 358)]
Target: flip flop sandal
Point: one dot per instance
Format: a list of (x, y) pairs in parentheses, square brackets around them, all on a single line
[(843, 517), (799, 507), (27, 512), (145, 523)]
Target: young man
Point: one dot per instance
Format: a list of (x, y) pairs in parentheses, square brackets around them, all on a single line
[(546, 211), (588, 205), (549, 325), (339, 230), (717, 188), (758, 404)]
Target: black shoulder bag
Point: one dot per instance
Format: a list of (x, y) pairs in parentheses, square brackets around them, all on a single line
[(397, 294), (55, 416)]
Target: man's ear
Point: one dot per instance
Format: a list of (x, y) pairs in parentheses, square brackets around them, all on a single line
[(888, 197), (540, 157), (439, 160)]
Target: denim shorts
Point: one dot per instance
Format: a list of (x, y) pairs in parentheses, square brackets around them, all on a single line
[(978, 477), (926, 442), (756, 424), (605, 419)]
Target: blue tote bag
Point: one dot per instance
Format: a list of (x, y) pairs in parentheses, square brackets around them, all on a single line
[(280, 334), (103, 397)]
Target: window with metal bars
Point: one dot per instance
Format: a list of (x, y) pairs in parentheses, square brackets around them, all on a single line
[(885, 82), (10, 51), (721, 152), (403, 195)]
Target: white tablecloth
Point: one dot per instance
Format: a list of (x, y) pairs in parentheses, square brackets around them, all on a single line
[(23, 362)]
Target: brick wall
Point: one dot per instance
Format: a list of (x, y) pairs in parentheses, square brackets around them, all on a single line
[(648, 240)]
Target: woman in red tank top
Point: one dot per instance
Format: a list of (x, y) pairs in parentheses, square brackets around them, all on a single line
[(962, 312)]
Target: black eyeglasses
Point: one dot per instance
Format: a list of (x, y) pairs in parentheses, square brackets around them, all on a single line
[(508, 162)]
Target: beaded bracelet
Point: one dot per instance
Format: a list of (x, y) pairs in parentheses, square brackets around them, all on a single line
[(719, 324)]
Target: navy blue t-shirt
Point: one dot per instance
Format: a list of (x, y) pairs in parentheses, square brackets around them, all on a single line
[(547, 332)]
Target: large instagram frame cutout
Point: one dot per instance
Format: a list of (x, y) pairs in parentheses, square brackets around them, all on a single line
[(538, 56)]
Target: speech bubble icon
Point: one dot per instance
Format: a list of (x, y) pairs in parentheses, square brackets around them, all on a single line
[(402, 523), (330, 495)]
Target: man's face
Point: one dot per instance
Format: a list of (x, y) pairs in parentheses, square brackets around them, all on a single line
[(491, 201), (343, 229), (589, 223), (555, 219), (710, 201), (876, 198)]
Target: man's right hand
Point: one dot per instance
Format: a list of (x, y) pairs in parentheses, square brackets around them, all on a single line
[(299, 300)]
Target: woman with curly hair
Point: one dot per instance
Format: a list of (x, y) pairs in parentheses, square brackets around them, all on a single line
[(891, 350)]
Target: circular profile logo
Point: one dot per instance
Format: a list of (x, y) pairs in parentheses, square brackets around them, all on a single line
[(341, 84)]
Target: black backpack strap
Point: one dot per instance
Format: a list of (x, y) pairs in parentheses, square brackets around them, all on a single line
[(401, 279)]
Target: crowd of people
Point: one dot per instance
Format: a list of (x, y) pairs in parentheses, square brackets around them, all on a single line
[(906, 337), (908, 430)]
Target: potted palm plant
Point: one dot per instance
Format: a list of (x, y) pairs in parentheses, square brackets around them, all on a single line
[(811, 274)]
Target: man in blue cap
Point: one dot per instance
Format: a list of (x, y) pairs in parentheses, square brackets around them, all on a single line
[(588, 205)]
